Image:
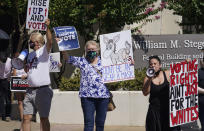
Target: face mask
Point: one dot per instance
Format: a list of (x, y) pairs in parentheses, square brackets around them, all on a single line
[(32, 45), (91, 55)]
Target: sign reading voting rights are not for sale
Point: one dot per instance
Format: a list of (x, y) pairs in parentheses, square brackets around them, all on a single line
[(67, 38), (117, 56), (37, 13)]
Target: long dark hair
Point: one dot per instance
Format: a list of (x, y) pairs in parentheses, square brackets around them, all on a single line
[(155, 57)]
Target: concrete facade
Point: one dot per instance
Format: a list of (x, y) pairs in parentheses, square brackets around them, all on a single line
[(131, 108)]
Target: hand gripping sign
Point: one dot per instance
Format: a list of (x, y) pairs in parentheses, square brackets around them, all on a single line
[(37, 13)]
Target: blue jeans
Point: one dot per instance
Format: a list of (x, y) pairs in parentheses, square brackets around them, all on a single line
[(89, 106)]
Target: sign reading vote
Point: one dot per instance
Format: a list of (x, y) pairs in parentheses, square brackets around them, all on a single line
[(37, 13), (18, 85), (67, 38), (183, 92)]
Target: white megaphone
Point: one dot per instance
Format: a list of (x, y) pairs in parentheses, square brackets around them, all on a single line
[(150, 72), (18, 63)]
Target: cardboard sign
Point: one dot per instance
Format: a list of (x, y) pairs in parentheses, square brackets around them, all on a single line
[(54, 62), (37, 13), (183, 93), (68, 39), (18, 85), (117, 56)]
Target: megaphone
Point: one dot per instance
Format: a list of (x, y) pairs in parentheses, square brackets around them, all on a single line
[(150, 72), (18, 63)]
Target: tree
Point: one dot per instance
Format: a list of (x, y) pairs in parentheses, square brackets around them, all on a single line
[(15, 11), (104, 15), (192, 12), (90, 17)]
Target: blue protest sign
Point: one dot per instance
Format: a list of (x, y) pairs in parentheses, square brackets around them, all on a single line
[(67, 38)]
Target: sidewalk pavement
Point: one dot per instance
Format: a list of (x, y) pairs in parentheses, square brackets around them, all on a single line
[(15, 125)]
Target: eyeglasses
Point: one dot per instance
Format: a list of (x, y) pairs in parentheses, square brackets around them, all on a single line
[(29, 42), (92, 49)]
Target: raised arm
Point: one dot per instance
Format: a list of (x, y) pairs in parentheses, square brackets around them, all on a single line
[(146, 85), (48, 36), (200, 90)]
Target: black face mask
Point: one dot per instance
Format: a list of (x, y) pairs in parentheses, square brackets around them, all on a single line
[(32, 45), (91, 55)]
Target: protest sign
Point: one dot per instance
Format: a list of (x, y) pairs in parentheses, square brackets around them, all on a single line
[(67, 38), (183, 92), (37, 13), (18, 85), (117, 56), (54, 62)]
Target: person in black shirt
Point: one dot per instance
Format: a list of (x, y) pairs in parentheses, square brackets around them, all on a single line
[(201, 93)]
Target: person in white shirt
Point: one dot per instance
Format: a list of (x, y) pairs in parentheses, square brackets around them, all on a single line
[(5, 93), (38, 95)]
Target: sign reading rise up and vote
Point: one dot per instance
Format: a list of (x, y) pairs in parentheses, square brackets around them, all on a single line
[(37, 13), (183, 92)]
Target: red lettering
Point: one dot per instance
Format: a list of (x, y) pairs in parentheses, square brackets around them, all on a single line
[(172, 77), (43, 26), (194, 111), (34, 25), (192, 65), (183, 64), (38, 25), (181, 113), (174, 120), (181, 79), (187, 78), (178, 68), (188, 109), (195, 76), (172, 67), (29, 24)]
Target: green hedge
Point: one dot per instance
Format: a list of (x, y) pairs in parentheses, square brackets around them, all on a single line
[(73, 83)]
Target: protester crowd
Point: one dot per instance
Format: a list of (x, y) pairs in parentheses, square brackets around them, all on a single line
[(93, 93)]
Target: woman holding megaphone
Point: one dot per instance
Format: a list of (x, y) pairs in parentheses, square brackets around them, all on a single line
[(156, 83)]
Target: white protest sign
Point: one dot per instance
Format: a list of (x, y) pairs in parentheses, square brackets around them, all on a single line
[(117, 56), (54, 62), (183, 93), (37, 13)]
